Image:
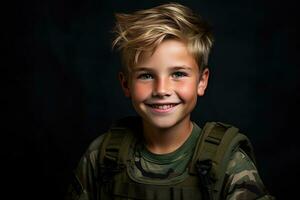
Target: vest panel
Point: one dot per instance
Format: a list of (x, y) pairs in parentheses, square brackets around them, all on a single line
[(122, 187)]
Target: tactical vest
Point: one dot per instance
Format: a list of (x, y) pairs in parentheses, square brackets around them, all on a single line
[(215, 146)]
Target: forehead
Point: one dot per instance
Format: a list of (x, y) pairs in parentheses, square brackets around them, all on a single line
[(169, 53)]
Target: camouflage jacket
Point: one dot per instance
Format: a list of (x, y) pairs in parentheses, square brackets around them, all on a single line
[(242, 181)]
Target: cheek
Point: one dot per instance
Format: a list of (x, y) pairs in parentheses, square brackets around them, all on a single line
[(187, 90), (140, 91)]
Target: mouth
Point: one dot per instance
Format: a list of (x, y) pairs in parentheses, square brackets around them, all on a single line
[(162, 108)]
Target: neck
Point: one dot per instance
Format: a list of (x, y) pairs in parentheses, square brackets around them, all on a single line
[(166, 140)]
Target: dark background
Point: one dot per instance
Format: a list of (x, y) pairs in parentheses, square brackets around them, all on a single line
[(63, 89)]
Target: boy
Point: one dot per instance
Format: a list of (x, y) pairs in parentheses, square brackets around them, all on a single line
[(163, 154)]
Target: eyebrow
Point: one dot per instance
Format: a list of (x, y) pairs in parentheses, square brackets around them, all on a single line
[(181, 67), (172, 68), (142, 69)]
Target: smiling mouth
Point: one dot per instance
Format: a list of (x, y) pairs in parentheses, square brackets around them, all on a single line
[(163, 106)]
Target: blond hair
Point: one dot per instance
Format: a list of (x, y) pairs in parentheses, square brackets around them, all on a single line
[(143, 30)]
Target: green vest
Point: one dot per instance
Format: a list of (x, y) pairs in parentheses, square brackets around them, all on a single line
[(216, 144)]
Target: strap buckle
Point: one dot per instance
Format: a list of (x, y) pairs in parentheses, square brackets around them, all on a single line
[(203, 168)]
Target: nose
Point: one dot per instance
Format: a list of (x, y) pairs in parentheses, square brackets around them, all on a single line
[(162, 88)]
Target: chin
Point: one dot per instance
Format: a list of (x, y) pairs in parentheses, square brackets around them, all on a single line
[(161, 122)]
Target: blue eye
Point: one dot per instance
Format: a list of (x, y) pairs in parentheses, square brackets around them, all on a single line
[(179, 74), (145, 76)]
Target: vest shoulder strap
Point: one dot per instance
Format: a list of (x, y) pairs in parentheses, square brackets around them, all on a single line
[(118, 140), (216, 144)]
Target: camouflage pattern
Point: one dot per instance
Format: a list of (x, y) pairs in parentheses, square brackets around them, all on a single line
[(242, 180)]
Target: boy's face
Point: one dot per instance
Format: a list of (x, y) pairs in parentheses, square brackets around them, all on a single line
[(164, 86)]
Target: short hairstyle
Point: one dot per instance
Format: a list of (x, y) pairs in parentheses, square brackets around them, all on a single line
[(143, 30)]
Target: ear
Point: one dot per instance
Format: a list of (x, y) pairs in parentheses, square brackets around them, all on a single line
[(203, 82), (124, 84)]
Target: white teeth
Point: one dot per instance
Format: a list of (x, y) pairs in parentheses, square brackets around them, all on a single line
[(162, 107)]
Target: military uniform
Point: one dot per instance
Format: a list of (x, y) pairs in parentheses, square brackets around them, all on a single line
[(156, 172)]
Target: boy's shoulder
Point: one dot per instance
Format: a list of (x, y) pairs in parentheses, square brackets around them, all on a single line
[(119, 128), (242, 171)]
